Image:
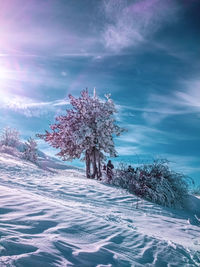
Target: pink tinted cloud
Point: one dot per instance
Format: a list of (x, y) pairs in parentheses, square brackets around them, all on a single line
[(129, 24)]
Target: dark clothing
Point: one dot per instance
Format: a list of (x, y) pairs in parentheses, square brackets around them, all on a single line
[(109, 171), (110, 165), (130, 169)]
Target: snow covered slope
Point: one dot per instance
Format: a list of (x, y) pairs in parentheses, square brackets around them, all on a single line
[(60, 218)]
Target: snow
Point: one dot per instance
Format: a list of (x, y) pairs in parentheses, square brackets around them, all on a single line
[(57, 217)]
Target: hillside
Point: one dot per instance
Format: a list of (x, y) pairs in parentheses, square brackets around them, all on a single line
[(57, 217)]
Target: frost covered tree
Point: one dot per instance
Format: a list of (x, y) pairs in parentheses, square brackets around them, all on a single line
[(86, 130), (9, 137), (30, 151)]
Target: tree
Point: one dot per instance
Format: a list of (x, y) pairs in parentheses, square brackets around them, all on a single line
[(30, 152), (9, 137), (87, 129)]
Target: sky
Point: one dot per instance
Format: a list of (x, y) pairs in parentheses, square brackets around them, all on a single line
[(146, 53)]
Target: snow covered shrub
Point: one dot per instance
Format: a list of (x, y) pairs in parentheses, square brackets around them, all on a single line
[(10, 150), (155, 182), (87, 129), (30, 151), (9, 137)]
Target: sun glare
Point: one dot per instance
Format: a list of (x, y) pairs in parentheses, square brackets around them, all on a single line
[(11, 76)]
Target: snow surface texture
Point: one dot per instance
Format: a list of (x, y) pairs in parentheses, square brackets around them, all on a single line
[(60, 218)]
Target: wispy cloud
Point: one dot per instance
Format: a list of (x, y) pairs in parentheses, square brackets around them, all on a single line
[(29, 107), (190, 97), (45, 28), (180, 102), (141, 134), (145, 136), (185, 100), (15, 72), (138, 139), (180, 163), (131, 23), (128, 150), (38, 29)]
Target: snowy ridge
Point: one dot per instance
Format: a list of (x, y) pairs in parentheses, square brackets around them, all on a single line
[(57, 217)]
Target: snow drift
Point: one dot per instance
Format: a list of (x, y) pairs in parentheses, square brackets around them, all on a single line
[(57, 217)]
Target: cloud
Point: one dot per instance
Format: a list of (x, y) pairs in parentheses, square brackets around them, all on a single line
[(129, 23), (138, 139), (183, 164), (15, 72), (53, 28), (183, 101), (29, 107), (191, 96), (140, 134), (47, 28), (128, 150)]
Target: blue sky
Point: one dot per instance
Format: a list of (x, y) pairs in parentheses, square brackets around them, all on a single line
[(145, 53)]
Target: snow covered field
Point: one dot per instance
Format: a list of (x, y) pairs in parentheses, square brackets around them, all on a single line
[(60, 218)]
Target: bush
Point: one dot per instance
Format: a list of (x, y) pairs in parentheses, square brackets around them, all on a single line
[(10, 150), (30, 152), (155, 182), (9, 137)]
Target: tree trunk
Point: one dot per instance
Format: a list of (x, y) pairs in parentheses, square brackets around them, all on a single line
[(99, 174), (93, 157), (94, 164), (87, 160)]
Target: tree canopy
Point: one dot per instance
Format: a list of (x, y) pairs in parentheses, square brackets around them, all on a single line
[(87, 129)]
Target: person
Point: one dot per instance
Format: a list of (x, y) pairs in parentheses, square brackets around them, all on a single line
[(109, 170), (130, 169)]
